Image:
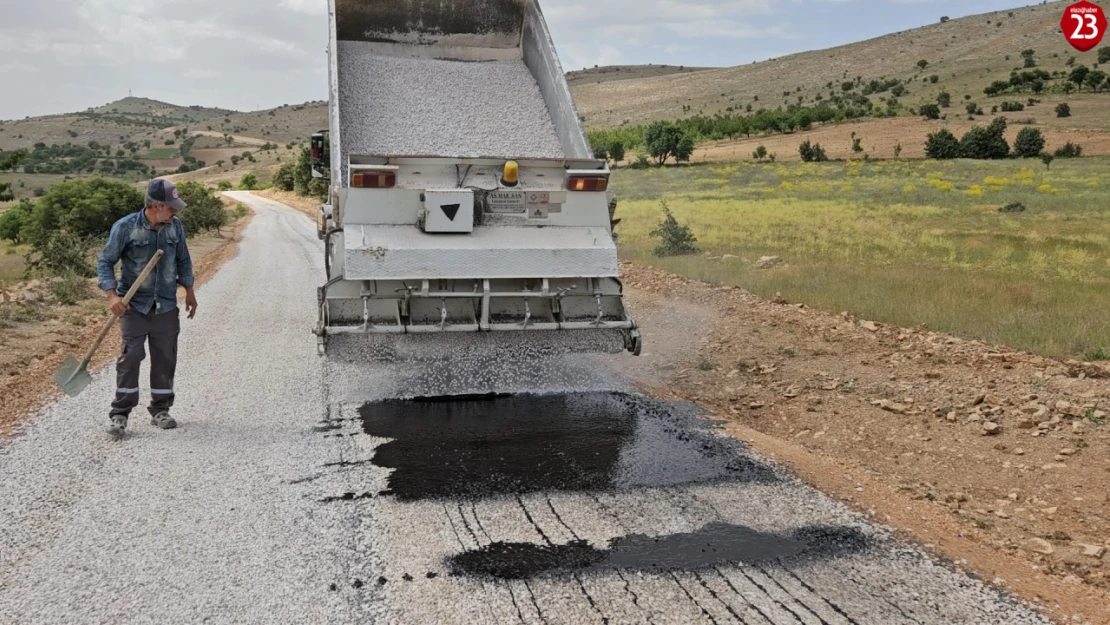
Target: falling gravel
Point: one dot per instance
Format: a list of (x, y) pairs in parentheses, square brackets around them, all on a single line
[(428, 107)]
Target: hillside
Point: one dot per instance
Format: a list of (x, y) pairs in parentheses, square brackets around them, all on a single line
[(128, 137), (611, 73), (159, 110), (965, 54)]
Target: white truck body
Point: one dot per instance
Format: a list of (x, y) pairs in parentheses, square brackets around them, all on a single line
[(426, 230)]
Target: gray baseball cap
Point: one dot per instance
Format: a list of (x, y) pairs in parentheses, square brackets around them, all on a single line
[(164, 192)]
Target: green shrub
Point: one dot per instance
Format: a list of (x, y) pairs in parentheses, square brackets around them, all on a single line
[(942, 145), (66, 221), (986, 143), (1029, 143), (674, 239), (205, 211), (14, 220), (248, 182), (641, 162), (930, 111), (225, 185), (70, 289), (1063, 110), (812, 153), (62, 253), (284, 178), (1070, 150), (1013, 207)]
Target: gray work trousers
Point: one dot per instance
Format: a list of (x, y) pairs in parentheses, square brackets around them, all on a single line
[(137, 329)]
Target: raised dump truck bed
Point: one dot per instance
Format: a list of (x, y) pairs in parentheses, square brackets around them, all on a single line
[(463, 194), (429, 107)]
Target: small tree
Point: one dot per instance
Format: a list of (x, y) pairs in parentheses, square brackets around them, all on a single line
[(8, 163), (1063, 110), (944, 99), (942, 145), (225, 185), (934, 78), (1078, 75), (944, 18), (616, 150), (674, 239), (1095, 79), (248, 182), (665, 139), (1029, 143), (760, 153), (1047, 159), (812, 153), (898, 150), (930, 111), (1070, 150), (857, 145), (923, 64)]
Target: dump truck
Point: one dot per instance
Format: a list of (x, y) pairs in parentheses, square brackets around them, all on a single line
[(463, 194)]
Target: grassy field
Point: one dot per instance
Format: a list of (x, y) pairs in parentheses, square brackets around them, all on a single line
[(160, 154), (906, 242)]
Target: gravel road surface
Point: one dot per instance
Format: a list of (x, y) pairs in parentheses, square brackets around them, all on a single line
[(298, 491)]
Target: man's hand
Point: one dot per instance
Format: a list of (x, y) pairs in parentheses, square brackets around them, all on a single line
[(115, 304), (191, 302)]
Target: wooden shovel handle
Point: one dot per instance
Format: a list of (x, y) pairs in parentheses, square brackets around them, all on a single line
[(126, 301)]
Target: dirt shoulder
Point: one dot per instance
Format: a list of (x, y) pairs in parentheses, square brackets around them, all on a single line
[(33, 349), (993, 459), (307, 205)]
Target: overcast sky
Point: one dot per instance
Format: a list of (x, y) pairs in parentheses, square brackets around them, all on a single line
[(67, 55)]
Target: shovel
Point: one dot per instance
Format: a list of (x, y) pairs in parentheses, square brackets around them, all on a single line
[(73, 376)]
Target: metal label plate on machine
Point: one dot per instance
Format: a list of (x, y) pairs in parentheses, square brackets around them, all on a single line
[(536, 204), (511, 202)]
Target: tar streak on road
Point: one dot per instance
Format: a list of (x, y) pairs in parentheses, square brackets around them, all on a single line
[(500, 445), (714, 545)]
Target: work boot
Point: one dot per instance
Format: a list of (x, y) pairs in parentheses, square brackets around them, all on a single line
[(163, 420), (119, 424)]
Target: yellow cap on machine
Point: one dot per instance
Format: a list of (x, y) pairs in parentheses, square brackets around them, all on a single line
[(511, 175)]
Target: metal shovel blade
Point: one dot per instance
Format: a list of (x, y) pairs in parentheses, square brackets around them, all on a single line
[(72, 376)]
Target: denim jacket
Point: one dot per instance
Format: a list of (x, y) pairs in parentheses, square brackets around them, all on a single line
[(133, 241)]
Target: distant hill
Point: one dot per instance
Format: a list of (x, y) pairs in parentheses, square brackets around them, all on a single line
[(154, 109), (127, 137), (141, 119), (965, 54)]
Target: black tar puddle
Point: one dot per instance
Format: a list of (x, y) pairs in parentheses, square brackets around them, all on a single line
[(476, 447), (718, 544)]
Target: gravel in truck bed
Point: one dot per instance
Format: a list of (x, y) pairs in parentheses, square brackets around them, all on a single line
[(428, 107)]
